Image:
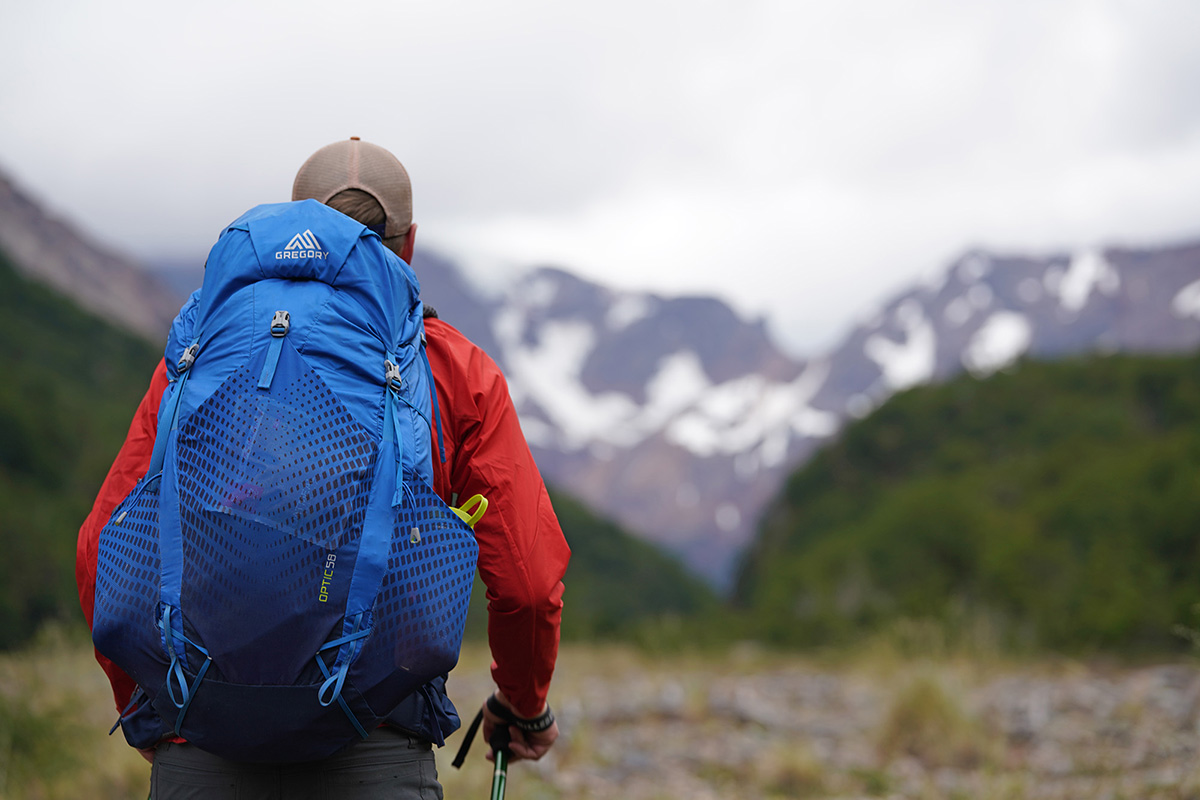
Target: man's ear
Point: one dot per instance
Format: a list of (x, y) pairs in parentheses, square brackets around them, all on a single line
[(406, 252)]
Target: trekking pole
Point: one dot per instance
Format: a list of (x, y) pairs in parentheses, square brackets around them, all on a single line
[(499, 742)]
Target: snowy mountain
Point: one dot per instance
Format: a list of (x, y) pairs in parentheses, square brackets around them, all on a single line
[(678, 418), (986, 311), (672, 415), (681, 420)]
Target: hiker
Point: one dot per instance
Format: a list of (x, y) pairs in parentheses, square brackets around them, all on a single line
[(522, 552)]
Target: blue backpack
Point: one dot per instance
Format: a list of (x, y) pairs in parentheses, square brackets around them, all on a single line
[(284, 576)]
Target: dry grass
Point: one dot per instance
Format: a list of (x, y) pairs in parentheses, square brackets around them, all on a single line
[(55, 712), (880, 722)]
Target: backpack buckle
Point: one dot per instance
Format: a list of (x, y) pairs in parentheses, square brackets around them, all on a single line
[(189, 356), (280, 324), (392, 375)]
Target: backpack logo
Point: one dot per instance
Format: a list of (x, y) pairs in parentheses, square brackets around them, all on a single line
[(302, 245), (327, 577)]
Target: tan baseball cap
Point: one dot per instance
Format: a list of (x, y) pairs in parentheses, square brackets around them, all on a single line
[(355, 164)]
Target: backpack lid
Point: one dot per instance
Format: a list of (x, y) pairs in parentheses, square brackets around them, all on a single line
[(307, 240), (286, 246)]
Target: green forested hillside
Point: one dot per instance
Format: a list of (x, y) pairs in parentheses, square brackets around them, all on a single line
[(69, 386), (1061, 500), (616, 584), (617, 587)]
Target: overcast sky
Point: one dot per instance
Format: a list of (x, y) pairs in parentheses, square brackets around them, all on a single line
[(802, 160)]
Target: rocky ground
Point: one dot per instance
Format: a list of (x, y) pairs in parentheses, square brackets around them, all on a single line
[(756, 726), (746, 724)]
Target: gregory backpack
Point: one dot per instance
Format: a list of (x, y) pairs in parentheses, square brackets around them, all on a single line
[(283, 576)]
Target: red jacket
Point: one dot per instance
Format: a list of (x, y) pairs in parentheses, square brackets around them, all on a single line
[(522, 552)]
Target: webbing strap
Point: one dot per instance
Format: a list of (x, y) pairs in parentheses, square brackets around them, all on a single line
[(280, 324), (137, 694), (437, 414), (170, 538), (468, 737), (336, 679), (269, 366), (164, 433), (394, 422), (175, 674)]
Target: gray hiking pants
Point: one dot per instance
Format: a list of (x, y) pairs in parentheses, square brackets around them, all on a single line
[(389, 764)]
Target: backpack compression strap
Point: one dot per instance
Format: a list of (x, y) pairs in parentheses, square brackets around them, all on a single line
[(437, 414)]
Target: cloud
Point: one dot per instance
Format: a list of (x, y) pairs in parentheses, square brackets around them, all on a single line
[(803, 160)]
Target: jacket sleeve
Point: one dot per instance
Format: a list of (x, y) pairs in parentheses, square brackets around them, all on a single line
[(130, 465), (523, 554)]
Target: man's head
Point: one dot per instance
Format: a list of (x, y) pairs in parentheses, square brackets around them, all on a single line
[(364, 182)]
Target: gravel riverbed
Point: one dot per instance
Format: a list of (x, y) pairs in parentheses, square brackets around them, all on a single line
[(752, 726)]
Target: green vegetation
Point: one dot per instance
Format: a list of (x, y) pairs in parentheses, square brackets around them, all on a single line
[(71, 383), (619, 588), (926, 722), (1059, 501), (55, 712)]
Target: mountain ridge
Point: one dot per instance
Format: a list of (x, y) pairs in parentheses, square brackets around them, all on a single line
[(55, 252), (693, 454), (680, 420)]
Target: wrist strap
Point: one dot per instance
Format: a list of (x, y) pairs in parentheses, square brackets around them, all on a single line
[(535, 725), (466, 743), (532, 725)]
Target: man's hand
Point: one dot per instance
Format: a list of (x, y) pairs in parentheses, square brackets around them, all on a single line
[(524, 745)]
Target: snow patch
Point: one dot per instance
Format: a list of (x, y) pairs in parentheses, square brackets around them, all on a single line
[(549, 373), (679, 383), (627, 310), (1001, 340), (1089, 271), (911, 362), (1187, 302), (751, 415)]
